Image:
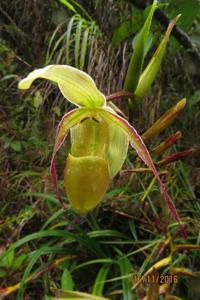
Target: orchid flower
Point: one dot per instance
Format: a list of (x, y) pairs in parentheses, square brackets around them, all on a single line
[(99, 139)]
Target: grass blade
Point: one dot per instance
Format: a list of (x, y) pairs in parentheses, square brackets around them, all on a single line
[(126, 269), (68, 37), (84, 48), (67, 282), (100, 281), (60, 294), (77, 43)]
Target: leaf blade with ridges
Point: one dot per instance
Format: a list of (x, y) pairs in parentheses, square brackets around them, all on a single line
[(165, 120)]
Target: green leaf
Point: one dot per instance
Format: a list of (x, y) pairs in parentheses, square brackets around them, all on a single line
[(18, 261), (77, 43), (16, 145), (189, 11), (126, 269), (49, 55), (79, 9), (69, 33), (84, 48), (67, 282), (74, 294), (75, 85), (68, 5), (55, 46), (42, 234), (56, 109), (52, 218), (94, 261), (194, 100), (7, 259), (137, 58), (37, 99), (29, 267), (150, 72), (108, 233), (100, 281), (148, 43)]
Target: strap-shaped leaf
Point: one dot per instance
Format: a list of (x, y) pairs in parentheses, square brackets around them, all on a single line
[(138, 144), (175, 157), (69, 120), (100, 280), (165, 120), (137, 58), (75, 85), (126, 270), (63, 294), (150, 72), (166, 144)]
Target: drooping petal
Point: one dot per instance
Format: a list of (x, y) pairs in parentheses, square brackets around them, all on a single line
[(69, 120), (75, 85), (138, 144)]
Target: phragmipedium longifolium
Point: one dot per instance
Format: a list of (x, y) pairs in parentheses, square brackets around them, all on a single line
[(99, 135), (99, 139)]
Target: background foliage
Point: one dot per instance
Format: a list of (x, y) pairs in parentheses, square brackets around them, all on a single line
[(42, 245)]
